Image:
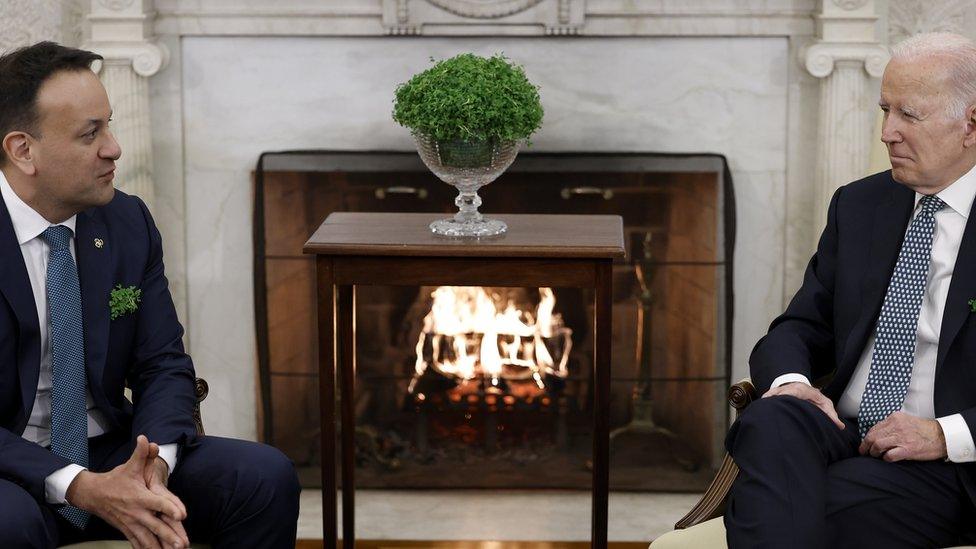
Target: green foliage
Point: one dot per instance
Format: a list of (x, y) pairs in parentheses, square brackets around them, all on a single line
[(972, 305), (470, 98), (124, 300)]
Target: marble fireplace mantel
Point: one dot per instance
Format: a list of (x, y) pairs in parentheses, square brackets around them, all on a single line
[(690, 76), (248, 76)]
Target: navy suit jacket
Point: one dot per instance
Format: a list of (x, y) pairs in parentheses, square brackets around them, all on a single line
[(828, 322), (143, 350)]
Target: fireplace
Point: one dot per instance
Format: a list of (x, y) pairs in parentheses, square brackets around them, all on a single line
[(497, 380)]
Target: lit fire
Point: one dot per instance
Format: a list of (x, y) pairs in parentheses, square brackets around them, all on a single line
[(466, 337)]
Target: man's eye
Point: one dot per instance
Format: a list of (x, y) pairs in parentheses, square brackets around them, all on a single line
[(92, 133)]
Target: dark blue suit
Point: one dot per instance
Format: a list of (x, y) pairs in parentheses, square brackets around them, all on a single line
[(144, 351), (795, 462)]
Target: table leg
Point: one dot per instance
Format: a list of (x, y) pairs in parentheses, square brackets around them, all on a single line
[(327, 369), (347, 379), (602, 304)]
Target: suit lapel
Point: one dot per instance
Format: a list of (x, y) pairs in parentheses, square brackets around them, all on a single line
[(890, 222), (961, 290), (16, 289), (95, 276)]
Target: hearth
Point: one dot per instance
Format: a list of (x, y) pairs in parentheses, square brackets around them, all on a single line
[(497, 380)]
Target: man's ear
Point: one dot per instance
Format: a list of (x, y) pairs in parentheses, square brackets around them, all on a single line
[(969, 139), (16, 147)]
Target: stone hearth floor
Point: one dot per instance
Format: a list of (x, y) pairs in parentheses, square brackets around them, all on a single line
[(540, 515)]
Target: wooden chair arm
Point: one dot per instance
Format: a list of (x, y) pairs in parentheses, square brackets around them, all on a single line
[(202, 390), (712, 502), (741, 395)]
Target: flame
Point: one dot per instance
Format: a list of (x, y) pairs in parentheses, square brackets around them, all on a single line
[(465, 335)]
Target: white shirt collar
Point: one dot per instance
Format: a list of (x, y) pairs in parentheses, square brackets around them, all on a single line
[(959, 195), (28, 224)]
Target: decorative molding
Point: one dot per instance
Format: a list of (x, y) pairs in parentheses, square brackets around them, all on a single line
[(820, 58), (147, 58), (482, 17), (485, 9), (850, 5), (909, 17), (116, 5), (403, 12), (538, 18)]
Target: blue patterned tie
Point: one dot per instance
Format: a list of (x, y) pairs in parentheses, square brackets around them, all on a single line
[(894, 347), (69, 414)]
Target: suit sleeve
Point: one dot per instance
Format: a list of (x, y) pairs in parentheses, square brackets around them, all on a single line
[(161, 375), (801, 340), (26, 463)]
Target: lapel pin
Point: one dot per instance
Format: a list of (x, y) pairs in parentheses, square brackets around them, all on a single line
[(99, 243)]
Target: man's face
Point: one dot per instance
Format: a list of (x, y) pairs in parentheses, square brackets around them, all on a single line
[(924, 144), (74, 154)]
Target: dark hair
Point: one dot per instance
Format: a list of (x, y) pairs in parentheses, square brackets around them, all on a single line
[(22, 72)]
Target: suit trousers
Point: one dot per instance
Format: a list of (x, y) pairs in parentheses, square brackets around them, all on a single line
[(237, 494), (803, 484)]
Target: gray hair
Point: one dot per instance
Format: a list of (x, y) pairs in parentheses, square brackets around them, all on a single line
[(961, 54)]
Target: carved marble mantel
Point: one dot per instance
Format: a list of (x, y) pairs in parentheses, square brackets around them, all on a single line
[(202, 198)]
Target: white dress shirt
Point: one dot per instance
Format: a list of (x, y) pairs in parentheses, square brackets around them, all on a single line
[(950, 223), (28, 226)]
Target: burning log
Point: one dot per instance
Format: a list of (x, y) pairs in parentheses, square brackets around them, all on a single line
[(467, 342)]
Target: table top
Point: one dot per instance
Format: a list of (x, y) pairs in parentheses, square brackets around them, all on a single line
[(408, 234)]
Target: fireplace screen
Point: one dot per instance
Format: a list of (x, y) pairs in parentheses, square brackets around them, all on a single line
[(487, 387)]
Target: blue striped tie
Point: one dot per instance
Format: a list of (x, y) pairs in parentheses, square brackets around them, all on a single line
[(69, 414), (894, 347)]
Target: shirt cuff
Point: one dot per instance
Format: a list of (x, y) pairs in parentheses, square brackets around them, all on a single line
[(168, 453), (789, 378), (959, 440), (56, 484)]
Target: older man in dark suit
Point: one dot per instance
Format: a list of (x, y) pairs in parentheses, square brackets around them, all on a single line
[(77, 460), (883, 455)]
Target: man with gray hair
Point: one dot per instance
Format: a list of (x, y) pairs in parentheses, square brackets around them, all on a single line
[(882, 455)]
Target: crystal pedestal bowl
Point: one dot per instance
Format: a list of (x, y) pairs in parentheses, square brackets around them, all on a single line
[(468, 166)]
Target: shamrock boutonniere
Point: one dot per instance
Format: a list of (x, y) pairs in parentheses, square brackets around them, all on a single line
[(124, 300), (972, 305)]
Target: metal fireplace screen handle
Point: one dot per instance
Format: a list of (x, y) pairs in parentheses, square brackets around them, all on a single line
[(382, 193), (569, 192)]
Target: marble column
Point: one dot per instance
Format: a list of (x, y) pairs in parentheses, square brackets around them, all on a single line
[(845, 58), (121, 33)]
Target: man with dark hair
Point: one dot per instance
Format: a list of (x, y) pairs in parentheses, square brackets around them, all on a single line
[(77, 460), (883, 455)]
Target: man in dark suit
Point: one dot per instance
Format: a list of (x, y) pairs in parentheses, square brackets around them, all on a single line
[(883, 455), (77, 460)]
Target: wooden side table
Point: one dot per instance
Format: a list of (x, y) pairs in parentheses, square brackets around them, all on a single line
[(353, 249)]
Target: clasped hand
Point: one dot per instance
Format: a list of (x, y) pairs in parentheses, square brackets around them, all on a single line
[(134, 499), (898, 437)]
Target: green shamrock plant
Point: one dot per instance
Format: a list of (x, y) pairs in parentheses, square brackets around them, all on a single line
[(124, 300)]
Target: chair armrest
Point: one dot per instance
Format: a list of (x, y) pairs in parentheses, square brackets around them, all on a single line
[(741, 395), (202, 389), (712, 502)]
